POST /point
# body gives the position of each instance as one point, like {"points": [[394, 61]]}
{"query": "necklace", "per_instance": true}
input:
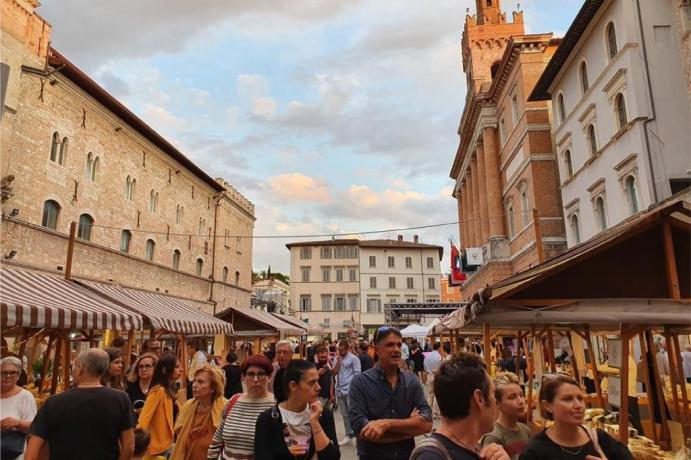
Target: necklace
{"points": [[458, 441], [563, 449]]}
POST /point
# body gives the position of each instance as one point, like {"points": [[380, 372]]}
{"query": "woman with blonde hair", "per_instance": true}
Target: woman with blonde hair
{"points": [[200, 416]]}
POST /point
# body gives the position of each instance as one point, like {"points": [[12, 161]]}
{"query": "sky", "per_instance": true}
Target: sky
{"points": [[329, 115]]}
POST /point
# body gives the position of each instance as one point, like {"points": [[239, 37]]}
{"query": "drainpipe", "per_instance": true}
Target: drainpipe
{"points": [[217, 200], [652, 101]]}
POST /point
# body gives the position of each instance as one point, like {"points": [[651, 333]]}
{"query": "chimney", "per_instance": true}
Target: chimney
{"points": [[416, 239], [400, 238]]}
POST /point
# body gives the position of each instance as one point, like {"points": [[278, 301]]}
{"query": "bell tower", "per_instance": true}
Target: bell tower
{"points": [[485, 37]]}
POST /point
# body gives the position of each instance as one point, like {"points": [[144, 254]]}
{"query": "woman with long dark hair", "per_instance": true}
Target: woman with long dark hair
{"points": [[299, 427], [114, 376], [160, 409]]}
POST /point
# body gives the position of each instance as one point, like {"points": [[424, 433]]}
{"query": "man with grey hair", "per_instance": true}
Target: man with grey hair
{"points": [[284, 351], [86, 422]]}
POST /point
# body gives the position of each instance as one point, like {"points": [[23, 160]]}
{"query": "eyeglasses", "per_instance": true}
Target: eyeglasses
{"points": [[145, 366], [255, 375], [9, 373]]}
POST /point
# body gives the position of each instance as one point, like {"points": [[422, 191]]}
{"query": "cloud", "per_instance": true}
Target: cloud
{"points": [[252, 85], [296, 187], [264, 107]]}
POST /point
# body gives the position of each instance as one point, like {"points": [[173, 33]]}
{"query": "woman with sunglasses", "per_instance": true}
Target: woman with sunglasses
{"points": [[234, 438], [140, 380]]}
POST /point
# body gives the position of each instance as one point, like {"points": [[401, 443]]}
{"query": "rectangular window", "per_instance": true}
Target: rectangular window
{"points": [[411, 300], [373, 305], [305, 303], [514, 109], [352, 274], [326, 274], [373, 282], [430, 262], [326, 252], [409, 283], [392, 282], [392, 300], [352, 302], [372, 261], [351, 252], [431, 283], [340, 304], [326, 302], [449, 289], [391, 262], [305, 274], [339, 275], [408, 262], [305, 253], [339, 252]]}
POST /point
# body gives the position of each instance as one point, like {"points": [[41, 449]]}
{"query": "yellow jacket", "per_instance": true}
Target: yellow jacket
{"points": [[183, 425], [157, 418]]}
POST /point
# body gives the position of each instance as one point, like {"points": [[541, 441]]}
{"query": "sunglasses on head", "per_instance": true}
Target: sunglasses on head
{"points": [[385, 330]]}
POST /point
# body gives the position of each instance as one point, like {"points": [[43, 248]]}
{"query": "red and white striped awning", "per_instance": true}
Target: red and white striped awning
{"points": [[164, 311], [35, 299]]}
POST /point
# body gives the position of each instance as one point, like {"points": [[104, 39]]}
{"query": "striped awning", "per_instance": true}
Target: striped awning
{"points": [[164, 311], [35, 299], [283, 328]]}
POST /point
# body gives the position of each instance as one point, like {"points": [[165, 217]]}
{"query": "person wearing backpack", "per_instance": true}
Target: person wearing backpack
{"points": [[465, 394], [234, 437]]}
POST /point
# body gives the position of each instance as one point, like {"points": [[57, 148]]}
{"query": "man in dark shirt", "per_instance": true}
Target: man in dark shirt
{"points": [[87, 422], [366, 363], [387, 406], [465, 394], [326, 393]]}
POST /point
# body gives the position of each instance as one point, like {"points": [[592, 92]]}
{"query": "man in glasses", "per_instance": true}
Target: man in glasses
{"points": [[388, 408], [284, 351]]}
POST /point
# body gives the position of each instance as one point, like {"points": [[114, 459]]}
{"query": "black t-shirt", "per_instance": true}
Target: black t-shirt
{"points": [[84, 423], [455, 451], [233, 380], [134, 391], [366, 363], [325, 381], [541, 447]]}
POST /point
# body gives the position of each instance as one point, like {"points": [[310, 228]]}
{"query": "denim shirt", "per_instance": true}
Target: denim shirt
{"points": [[371, 397], [350, 365]]}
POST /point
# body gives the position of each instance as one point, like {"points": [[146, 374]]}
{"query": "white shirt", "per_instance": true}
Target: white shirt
{"points": [[432, 362], [662, 362], [198, 361], [686, 362], [21, 406]]}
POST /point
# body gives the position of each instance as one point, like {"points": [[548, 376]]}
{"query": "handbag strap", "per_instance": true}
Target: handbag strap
{"points": [[593, 435], [231, 403], [433, 443]]}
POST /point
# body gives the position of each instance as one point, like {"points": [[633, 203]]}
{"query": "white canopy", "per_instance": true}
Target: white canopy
{"points": [[415, 330]]}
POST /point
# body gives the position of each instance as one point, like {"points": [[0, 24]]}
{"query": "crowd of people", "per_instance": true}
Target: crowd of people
{"points": [[278, 405]]}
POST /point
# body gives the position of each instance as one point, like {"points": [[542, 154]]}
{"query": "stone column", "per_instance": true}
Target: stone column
{"points": [[471, 210], [476, 202], [465, 237], [493, 183], [459, 204], [484, 222]]}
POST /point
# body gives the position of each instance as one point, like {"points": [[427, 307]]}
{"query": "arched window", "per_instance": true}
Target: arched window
{"points": [[202, 224], [153, 201], [611, 40], [51, 211], [494, 69], [225, 274], [568, 163], [89, 167], [561, 108], [85, 224], [592, 140], [620, 106], [237, 278], [630, 190], [176, 259], [54, 146], [584, 77], [200, 266], [575, 231], [600, 213], [129, 188], [179, 214], [150, 247], [63, 151], [125, 238], [511, 219]]}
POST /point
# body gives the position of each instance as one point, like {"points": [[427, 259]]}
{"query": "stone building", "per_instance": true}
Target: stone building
{"points": [[448, 292], [147, 217], [621, 123], [343, 284], [505, 167]]}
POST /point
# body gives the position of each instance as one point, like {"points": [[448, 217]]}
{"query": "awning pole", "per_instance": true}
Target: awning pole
{"points": [[593, 367], [648, 387], [656, 388]]}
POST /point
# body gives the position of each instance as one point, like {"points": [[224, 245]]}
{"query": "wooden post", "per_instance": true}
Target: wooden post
{"points": [[46, 359], [574, 363], [656, 387], [23, 339], [593, 367], [487, 342], [550, 351], [670, 261], [646, 381], [70, 250], [59, 345], [66, 363], [538, 236], [673, 377], [624, 386], [128, 349], [684, 394]]}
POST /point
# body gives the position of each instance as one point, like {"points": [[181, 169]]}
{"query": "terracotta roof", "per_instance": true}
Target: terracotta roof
{"points": [[93, 89], [339, 242], [369, 244], [569, 42]]}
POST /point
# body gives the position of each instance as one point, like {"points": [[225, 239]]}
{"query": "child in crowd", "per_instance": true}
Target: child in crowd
{"points": [[141, 443], [508, 431]]}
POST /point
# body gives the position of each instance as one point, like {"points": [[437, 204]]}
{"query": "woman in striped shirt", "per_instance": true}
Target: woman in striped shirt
{"points": [[234, 438]]}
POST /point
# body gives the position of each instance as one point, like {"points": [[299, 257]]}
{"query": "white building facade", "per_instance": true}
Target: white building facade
{"points": [[271, 295], [620, 113], [341, 286]]}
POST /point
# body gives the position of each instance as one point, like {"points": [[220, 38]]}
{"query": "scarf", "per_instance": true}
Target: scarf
{"points": [[185, 420]]}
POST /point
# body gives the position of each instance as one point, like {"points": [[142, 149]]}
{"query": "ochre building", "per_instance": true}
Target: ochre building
{"points": [[147, 217], [505, 171]]}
